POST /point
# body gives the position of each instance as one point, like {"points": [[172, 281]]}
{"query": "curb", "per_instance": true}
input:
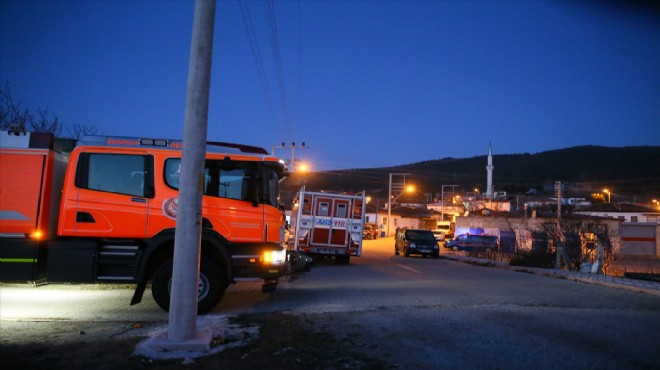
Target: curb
{"points": [[641, 286]]}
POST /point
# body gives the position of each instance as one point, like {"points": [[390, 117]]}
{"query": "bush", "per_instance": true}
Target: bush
{"points": [[543, 259]]}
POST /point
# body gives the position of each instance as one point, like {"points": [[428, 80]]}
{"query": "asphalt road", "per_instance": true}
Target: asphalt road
{"points": [[415, 312]]}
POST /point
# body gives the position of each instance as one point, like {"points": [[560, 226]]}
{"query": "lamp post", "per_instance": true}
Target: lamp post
{"points": [[398, 187], [442, 199], [655, 202], [609, 195]]}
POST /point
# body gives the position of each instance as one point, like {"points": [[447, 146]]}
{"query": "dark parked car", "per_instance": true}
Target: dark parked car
{"points": [[416, 241], [468, 242]]}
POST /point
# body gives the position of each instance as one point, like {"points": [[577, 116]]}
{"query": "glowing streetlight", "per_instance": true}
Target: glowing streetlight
{"points": [[303, 167], [655, 201], [609, 195]]}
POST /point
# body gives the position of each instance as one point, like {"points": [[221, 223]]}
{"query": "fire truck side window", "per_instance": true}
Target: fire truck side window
{"points": [[113, 173], [273, 188], [223, 179], [172, 172]]}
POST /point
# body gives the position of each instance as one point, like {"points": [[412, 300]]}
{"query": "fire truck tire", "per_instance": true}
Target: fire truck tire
{"points": [[210, 290]]}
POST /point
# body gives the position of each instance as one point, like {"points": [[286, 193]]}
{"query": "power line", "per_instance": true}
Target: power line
{"points": [[254, 46], [277, 57]]}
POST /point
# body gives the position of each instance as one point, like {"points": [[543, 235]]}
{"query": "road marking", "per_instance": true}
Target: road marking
{"points": [[410, 269]]}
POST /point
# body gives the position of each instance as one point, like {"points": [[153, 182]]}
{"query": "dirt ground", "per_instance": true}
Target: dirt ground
{"points": [[273, 341]]}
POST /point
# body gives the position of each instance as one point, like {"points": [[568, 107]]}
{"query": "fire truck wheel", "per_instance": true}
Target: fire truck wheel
{"points": [[210, 290]]}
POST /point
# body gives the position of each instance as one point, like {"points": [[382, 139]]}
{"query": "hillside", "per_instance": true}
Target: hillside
{"points": [[630, 173]]}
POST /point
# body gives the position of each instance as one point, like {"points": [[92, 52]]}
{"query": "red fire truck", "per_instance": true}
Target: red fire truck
{"points": [[104, 210], [328, 224]]}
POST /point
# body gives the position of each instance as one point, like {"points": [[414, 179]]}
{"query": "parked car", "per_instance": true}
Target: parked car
{"points": [[416, 241], [470, 242], [370, 231], [439, 235]]}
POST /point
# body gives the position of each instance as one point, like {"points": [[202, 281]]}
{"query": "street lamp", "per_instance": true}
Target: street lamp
{"points": [[293, 146], [398, 187], [609, 195], [655, 201]]}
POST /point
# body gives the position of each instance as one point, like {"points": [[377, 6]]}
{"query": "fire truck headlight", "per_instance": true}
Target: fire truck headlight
{"points": [[413, 246], [274, 257]]}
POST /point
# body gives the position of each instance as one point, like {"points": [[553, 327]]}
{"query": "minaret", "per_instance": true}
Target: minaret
{"points": [[489, 170]]}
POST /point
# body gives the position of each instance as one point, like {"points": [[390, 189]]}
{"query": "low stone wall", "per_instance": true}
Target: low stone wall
{"points": [[638, 264]]}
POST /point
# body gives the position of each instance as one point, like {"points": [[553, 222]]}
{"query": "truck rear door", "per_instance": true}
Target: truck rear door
{"points": [[330, 222]]}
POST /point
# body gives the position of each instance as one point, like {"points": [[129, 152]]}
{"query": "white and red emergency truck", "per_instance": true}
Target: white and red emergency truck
{"points": [[328, 224]]}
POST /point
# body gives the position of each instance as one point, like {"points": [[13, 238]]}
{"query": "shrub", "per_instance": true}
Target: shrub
{"points": [[533, 258]]}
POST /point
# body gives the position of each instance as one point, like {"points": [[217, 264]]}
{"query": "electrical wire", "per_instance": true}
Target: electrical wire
{"points": [[258, 60], [277, 57]]}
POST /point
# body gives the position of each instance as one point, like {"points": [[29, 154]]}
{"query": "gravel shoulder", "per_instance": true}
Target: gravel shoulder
{"points": [[273, 341]]}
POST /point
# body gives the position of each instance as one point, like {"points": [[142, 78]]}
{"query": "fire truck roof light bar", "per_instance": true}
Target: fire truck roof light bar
{"points": [[124, 141]]}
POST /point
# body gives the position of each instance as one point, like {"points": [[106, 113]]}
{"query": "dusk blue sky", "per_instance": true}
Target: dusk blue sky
{"points": [[367, 83]]}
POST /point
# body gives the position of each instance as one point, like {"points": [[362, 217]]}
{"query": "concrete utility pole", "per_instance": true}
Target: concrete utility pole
{"points": [[442, 199], [397, 188], [185, 275], [558, 194]]}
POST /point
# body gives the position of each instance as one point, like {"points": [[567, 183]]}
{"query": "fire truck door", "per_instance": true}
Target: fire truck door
{"points": [[110, 198]]}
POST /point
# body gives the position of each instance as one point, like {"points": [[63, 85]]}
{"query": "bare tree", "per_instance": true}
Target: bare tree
{"points": [[13, 116], [79, 131], [43, 121], [581, 238]]}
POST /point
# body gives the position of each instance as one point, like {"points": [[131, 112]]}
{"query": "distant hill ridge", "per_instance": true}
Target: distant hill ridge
{"points": [[630, 171]]}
